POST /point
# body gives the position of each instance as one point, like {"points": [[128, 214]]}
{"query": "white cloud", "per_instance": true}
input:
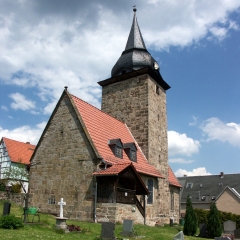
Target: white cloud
{"points": [[4, 108], [195, 172], [49, 45], [180, 160], [24, 133], [215, 129], [180, 144], [20, 102], [194, 122]]}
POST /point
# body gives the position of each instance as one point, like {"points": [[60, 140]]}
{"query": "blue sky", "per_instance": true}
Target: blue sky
{"points": [[46, 45]]}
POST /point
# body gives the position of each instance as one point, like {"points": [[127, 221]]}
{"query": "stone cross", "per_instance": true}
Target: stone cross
{"points": [[61, 203]]}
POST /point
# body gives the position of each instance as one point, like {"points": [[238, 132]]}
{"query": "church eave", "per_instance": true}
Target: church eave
{"points": [[157, 77]]}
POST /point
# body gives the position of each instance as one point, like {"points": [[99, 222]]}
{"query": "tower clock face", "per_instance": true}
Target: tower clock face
{"points": [[156, 66]]}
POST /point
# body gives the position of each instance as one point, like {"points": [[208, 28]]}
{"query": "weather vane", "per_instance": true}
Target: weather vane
{"points": [[134, 8]]}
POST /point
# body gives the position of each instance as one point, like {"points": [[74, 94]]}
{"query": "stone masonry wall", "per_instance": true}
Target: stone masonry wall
{"points": [[136, 102], [117, 212], [66, 163]]}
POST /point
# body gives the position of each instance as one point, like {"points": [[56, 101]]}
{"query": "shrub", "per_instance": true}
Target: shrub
{"points": [[214, 226], [10, 222], [16, 188], [190, 225]]}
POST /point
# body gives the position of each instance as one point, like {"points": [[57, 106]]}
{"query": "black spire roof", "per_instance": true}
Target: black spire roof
{"points": [[135, 55]]}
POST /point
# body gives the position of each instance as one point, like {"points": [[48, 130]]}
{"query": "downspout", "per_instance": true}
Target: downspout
{"points": [[95, 202]]}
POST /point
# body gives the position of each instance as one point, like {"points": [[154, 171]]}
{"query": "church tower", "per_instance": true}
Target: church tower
{"points": [[136, 95]]}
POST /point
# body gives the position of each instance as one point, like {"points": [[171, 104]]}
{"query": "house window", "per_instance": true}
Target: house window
{"points": [[189, 185], [131, 151], [51, 201], [150, 189], [116, 147]]}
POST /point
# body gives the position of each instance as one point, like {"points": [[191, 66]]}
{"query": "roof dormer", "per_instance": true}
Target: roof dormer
{"points": [[116, 147], [131, 151]]}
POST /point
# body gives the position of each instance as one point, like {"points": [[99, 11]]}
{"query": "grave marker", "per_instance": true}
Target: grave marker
{"points": [[229, 227], [127, 228], [107, 232], [61, 203], [179, 236]]}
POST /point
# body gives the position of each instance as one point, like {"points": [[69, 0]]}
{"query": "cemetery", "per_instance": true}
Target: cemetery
{"points": [[59, 227]]}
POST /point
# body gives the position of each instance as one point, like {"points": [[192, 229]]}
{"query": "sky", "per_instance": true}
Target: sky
{"points": [[48, 44]]}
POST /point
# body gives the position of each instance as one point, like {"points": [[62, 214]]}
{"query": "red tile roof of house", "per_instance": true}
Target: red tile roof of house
{"points": [[102, 127], [172, 178], [19, 151]]}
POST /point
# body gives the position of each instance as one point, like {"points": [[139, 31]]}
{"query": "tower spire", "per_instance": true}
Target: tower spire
{"points": [[135, 39], [135, 56]]}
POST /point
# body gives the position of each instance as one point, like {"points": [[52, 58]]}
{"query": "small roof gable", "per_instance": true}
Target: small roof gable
{"points": [[19, 151], [117, 169], [172, 178], [101, 127], [233, 190]]}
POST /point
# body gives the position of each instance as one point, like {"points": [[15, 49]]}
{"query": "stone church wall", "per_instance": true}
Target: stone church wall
{"points": [[65, 167]]}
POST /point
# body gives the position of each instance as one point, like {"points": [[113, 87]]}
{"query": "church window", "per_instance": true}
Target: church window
{"points": [[157, 89], [150, 189], [51, 201], [131, 151], [116, 147], [172, 200]]}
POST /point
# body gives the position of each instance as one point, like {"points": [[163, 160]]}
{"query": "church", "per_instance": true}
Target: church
{"points": [[110, 164]]}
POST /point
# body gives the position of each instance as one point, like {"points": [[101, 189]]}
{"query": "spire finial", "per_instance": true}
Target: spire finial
{"points": [[134, 8]]}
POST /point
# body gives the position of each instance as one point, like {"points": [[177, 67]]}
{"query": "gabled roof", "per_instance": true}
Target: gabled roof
{"points": [[101, 127], [233, 190], [210, 186], [19, 151], [172, 178]]}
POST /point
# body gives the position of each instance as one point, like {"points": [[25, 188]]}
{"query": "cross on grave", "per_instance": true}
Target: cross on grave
{"points": [[61, 203]]}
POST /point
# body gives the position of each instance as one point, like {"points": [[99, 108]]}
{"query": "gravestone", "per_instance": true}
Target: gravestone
{"points": [[107, 232], [237, 233], [229, 227], [179, 236], [203, 231], [127, 228]]}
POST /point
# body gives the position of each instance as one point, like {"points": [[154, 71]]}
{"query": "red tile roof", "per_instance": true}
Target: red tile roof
{"points": [[113, 170], [172, 178], [19, 151], [102, 127]]}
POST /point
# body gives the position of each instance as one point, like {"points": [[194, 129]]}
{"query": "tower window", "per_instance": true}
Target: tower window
{"points": [[131, 151], [157, 89], [116, 147], [150, 189]]}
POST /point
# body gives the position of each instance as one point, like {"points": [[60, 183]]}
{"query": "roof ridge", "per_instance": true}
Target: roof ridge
{"points": [[96, 108]]}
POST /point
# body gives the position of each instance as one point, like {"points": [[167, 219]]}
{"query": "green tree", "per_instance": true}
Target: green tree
{"points": [[190, 225], [214, 226]]}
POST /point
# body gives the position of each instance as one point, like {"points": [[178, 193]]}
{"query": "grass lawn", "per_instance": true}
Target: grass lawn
{"points": [[45, 230]]}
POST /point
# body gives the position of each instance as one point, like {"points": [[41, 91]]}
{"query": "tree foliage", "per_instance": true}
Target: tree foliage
{"points": [[214, 226], [191, 224]]}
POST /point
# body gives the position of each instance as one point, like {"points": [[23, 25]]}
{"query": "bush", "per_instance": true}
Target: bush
{"points": [[10, 222], [191, 224], [214, 226], [16, 188]]}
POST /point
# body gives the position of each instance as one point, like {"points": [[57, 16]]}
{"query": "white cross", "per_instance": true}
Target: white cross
{"points": [[61, 203]]}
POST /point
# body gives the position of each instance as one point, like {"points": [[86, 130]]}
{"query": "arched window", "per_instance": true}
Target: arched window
{"points": [[150, 189]]}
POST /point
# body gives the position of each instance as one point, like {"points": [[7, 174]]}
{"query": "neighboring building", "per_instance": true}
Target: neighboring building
{"points": [[223, 189], [14, 154], [110, 164]]}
